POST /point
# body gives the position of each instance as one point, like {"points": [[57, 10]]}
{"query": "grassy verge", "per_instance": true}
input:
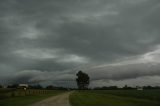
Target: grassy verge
{"points": [[27, 100], [94, 98], [145, 94]]}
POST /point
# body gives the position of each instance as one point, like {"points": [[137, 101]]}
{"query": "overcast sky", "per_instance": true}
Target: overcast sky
{"points": [[116, 42]]}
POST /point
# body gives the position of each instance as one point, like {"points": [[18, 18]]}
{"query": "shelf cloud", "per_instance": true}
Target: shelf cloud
{"points": [[114, 41]]}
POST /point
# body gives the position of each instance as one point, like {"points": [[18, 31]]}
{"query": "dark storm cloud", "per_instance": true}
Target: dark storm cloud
{"points": [[122, 72], [61, 35], [36, 76]]}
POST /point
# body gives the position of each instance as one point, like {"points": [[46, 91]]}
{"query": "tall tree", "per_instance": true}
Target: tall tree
{"points": [[82, 80]]}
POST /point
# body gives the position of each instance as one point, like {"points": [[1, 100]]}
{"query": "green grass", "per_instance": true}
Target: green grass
{"points": [[26, 100], [107, 98], [145, 94]]}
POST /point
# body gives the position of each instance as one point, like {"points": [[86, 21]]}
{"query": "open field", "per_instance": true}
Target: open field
{"points": [[145, 94], [116, 98], [21, 100]]}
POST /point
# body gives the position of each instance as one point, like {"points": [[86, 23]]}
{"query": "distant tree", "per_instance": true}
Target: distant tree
{"points": [[0, 86], [12, 86], [106, 88], [82, 80], [151, 87], [38, 86], [49, 87], [126, 87]]}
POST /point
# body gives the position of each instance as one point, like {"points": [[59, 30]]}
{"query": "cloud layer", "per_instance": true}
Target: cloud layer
{"points": [[111, 40]]}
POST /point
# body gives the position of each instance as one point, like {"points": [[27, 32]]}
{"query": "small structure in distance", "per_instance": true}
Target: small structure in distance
{"points": [[23, 86]]}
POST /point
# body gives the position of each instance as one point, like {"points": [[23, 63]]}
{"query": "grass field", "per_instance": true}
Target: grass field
{"points": [[26, 100], [116, 98], [145, 94]]}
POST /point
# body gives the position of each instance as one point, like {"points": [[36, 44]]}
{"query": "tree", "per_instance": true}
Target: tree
{"points": [[0, 86], [50, 87], [126, 87], [13, 86], [38, 86], [82, 80]]}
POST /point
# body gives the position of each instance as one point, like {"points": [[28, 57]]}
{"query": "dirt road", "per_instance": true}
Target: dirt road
{"points": [[59, 100]]}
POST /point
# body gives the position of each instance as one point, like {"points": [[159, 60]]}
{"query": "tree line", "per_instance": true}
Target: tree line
{"points": [[83, 81], [38, 86]]}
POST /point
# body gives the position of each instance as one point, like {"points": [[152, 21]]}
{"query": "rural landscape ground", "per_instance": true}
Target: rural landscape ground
{"points": [[115, 98], [86, 98]]}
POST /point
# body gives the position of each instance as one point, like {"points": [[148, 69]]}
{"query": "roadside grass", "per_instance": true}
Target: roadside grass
{"points": [[27, 100], [145, 94], [94, 98]]}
